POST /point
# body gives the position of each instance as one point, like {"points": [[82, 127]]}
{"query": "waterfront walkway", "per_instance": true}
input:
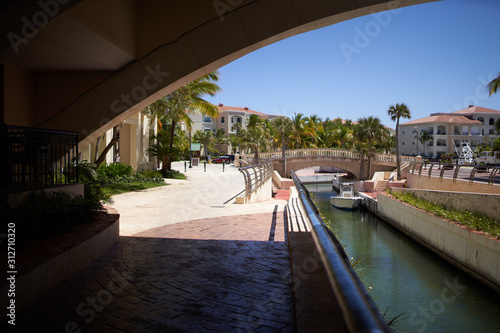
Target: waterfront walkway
{"points": [[191, 262]]}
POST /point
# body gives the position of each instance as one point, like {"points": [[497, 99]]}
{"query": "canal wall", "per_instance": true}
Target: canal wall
{"points": [[474, 252], [483, 203]]}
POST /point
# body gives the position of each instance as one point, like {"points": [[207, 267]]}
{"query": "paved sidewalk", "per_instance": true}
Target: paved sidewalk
{"points": [[195, 272], [218, 274]]}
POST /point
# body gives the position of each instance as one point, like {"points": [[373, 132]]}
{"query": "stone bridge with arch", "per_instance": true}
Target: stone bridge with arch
{"points": [[347, 160]]}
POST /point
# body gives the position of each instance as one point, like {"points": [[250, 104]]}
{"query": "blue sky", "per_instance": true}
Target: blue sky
{"points": [[435, 57]]}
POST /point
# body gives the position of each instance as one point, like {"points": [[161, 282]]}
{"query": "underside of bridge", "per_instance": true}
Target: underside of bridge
{"points": [[86, 65]]}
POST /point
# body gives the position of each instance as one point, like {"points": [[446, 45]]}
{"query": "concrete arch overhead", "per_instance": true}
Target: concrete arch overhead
{"points": [[86, 65]]}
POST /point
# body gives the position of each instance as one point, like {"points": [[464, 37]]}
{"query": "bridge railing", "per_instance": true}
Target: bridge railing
{"points": [[255, 177], [328, 152], [359, 312]]}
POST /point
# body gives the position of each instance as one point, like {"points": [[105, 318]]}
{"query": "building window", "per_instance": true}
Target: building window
{"points": [[465, 130], [491, 132], [222, 120], [441, 130], [456, 130], [481, 119], [441, 143], [474, 131], [492, 121], [207, 119]]}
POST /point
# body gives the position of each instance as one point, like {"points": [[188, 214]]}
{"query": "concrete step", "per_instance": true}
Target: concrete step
{"points": [[381, 185]]}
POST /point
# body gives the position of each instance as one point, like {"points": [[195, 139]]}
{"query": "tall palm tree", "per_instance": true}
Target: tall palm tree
{"points": [[494, 85], [174, 107], [369, 130], [220, 138], [283, 128], [256, 136], [342, 136], [424, 137], [395, 112], [302, 130]]}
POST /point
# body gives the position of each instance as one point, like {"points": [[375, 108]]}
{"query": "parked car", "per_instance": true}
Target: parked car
{"points": [[222, 159]]}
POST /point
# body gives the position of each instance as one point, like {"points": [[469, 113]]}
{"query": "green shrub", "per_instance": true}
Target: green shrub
{"points": [[174, 174], [473, 220], [115, 172], [43, 214]]}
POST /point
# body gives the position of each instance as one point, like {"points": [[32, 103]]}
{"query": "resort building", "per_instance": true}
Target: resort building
{"points": [[229, 117], [474, 125]]}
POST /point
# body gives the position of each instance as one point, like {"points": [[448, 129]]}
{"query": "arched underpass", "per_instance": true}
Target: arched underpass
{"points": [[87, 65]]}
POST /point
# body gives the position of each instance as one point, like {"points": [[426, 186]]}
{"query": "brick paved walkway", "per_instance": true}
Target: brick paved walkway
{"points": [[218, 274]]}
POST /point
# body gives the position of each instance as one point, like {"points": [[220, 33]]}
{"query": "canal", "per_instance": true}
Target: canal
{"points": [[431, 295]]}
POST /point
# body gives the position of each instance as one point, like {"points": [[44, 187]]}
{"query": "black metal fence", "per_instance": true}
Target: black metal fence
{"points": [[36, 159]]}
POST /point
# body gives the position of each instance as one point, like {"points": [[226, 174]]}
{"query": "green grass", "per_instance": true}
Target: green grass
{"points": [[118, 188], [473, 220]]}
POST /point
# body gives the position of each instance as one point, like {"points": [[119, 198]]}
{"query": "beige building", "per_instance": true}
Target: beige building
{"points": [[473, 125], [133, 142], [229, 117]]}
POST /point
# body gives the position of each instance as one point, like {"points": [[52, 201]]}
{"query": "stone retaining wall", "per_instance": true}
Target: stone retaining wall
{"points": [[474, 252], [483, 203]]}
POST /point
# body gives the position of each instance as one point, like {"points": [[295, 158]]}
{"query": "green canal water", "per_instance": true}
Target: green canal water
{"points": [[405, 278]]}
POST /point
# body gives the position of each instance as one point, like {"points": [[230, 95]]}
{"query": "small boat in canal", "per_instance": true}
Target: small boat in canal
{"points": [[346, 199]]}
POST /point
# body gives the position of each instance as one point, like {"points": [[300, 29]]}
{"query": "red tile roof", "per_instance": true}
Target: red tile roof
{"points": [[237, 108], [474, 110], [443, 118]]}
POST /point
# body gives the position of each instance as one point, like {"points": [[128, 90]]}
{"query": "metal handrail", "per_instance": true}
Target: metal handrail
{"points": [[456, 169], [255, 176], [359, 312]]}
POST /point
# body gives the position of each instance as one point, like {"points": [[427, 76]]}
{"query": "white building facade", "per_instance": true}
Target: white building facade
{"points": [[474, 125]]}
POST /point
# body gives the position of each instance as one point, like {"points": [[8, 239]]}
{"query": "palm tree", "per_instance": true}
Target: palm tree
{"points": [[174, 107], [302, 130], [256, 135], [220, 138], [369, 130], [163, 150], [424, 137], [395, 112], [494, 85], [206, 138], [283, 128], [342, 136]]}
